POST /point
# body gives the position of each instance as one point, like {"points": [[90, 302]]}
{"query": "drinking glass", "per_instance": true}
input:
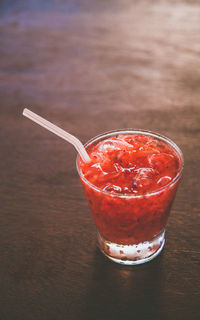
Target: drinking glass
{"points": [[131, 227]]}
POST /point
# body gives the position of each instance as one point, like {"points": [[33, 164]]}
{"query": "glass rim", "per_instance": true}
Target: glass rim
{"points": [[135, 131]]}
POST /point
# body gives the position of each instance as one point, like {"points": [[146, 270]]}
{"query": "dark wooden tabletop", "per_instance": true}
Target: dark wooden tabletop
{"points": [[92, 66]]}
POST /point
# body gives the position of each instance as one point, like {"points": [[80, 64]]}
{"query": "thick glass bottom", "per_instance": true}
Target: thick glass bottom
{"points": [[132, 254]]}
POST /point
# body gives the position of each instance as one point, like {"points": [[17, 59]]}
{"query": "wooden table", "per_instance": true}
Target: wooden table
{"points": [[91, 66]]}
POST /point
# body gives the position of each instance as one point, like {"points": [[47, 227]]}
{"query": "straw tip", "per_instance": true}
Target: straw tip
{"points": [[24, 111]]}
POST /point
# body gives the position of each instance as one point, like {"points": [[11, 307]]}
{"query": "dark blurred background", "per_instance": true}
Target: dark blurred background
{"points": [[136, 61], [89, 67]]}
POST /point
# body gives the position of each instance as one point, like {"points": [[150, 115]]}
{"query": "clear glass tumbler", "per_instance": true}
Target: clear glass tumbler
{"points": [[131, 227]]}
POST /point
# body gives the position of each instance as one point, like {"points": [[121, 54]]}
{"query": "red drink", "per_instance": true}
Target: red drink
{"points": [[130, 184]]}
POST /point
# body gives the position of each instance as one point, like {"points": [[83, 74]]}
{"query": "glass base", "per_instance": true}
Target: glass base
{"points": [[132, 254]]}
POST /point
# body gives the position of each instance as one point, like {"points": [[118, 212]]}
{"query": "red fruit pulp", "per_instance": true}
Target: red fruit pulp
{"points": [[129, 189]]}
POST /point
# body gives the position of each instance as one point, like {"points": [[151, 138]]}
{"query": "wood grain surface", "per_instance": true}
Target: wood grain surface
{"points": [[91, 66]]}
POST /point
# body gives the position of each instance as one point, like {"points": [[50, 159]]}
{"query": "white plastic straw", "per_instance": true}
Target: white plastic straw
{"points": [[59, 132]]}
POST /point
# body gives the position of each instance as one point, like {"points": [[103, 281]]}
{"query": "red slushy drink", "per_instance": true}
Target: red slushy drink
{"points": [[130, 184]]}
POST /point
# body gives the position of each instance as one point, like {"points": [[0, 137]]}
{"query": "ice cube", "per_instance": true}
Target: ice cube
{"points": [[144, 178], [112, 188], [163, 181], [111, 144], [165, 163]]}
